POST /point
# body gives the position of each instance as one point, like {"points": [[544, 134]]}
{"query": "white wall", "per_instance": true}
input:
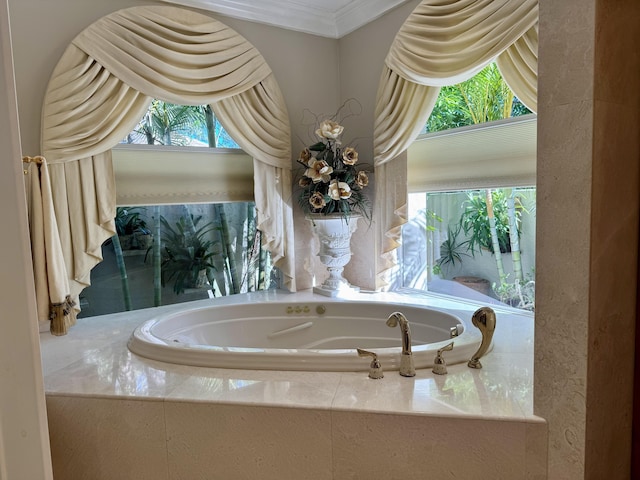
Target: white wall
{"points": [[362, 55], [24, 437]]}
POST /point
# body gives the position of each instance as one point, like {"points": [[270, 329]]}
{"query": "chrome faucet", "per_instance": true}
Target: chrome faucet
{"points": [[406, 358]]}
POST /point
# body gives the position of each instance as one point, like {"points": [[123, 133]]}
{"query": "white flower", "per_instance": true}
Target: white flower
{"points": [[349, 156], [319, 171], [317, 200], [329, 129], [339, 190], [362, 180]]}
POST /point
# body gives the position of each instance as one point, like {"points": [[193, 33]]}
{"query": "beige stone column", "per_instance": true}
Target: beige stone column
{"points": [[587, 242]]}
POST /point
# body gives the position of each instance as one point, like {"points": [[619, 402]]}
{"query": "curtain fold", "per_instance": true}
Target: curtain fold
{"points": [[442, 42], [84, 195], [518, 65], [53, 302], [180, 55], [103, 85], [275, 219], [390, 208], [249, 119]]}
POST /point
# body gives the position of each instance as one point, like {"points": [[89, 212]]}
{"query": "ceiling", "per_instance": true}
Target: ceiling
{"points": [[327, 18]]}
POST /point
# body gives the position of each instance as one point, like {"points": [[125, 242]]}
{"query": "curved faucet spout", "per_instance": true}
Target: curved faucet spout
{"points": [[406, 359], [398, 318], [485, 319]]}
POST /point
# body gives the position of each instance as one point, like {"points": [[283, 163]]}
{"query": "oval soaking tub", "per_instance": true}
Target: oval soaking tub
{"points": [[312, 336]]}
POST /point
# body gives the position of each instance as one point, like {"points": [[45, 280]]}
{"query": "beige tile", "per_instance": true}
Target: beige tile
{"points": [[565, 71], [419, 447], [267, 388], [612, 304], [114, 370], [463, 392], [536, 450], [211, 442], [93, 438]]}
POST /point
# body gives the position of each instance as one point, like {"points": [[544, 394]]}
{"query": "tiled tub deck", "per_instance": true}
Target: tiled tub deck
{"points": [[113, 414]]}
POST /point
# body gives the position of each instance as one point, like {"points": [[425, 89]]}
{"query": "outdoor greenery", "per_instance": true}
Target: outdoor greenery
{"points": [[475, 221], [483, 98], [491, 219], [181, 125], [188, 253], [128, 221], [451, 250], [169, 124], [519, 294], [178, 249]]}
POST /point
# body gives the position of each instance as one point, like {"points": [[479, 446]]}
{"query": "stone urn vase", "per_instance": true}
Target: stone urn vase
{"points": [[334, 236]]}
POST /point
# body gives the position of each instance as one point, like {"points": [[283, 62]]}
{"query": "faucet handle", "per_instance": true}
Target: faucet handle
{"points": [[439, 365], [375, 369]]}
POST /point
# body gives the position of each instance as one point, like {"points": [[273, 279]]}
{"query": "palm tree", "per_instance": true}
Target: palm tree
{"points": [[169, 124], [210, 121]]}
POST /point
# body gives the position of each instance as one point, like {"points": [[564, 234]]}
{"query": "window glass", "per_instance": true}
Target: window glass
{"points": [[449, 245], [165, 254], [473, 241], [483, 98], [180, 125], [203, 251]]}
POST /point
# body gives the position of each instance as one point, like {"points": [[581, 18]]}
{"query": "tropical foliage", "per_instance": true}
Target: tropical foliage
{"points": [[188, 253], [519, 293], [491, 220], [475, 221], [181, 125], [483, 98], [451, 250]]}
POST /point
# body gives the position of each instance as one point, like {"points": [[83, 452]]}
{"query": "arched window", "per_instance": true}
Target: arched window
{"points": [[471, 204], [100, 89], [440, 45]]}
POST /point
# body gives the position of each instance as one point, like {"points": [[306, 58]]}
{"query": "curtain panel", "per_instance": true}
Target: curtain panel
{"points": [[104, 83], [442, 42], [54, 306]]}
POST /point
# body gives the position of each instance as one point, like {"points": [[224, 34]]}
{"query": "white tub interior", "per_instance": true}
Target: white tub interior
{"points": [[314, 336]]}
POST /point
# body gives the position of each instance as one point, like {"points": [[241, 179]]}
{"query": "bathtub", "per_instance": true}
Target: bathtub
{"points": [[316, 335]]}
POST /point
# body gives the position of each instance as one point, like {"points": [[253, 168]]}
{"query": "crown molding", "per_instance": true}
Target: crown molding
{"points": [[358, 13], [296, 16]]}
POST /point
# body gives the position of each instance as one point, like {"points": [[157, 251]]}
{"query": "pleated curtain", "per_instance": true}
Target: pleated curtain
{"points": [[442, 42], [103, 85]]}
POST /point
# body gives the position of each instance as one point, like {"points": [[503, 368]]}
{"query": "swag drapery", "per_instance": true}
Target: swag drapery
{"points": [[102, 86], [442, 42]]}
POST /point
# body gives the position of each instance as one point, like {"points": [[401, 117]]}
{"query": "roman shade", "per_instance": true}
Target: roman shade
{"points": [[442, 42], [152, 175], [486, 155], [102, 86]]}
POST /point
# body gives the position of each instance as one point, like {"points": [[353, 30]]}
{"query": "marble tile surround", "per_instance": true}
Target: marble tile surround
{"points": [[111, 411], [588, 150]]}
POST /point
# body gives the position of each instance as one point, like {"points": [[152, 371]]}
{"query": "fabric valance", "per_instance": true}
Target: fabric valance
{"points": [[102, 87], [443, 42]]}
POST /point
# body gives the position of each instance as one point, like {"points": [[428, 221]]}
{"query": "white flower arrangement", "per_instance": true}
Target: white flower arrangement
{"points": [[331, 182]]}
